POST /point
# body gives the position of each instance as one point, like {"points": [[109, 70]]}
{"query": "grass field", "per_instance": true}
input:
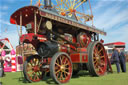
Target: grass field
{"points": [[83, 78]]}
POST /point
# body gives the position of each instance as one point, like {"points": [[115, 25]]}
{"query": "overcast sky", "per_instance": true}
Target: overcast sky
{"points": [[109, 15]]}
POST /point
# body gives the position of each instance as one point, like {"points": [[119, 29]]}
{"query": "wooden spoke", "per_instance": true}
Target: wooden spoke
{"points": [[57, 61], [94, 57], [31, 62], [57, 64], [66, 60], [100, 50], [61, 76], [31, 73], [36, 76], [62, 58], [66, 72], [57, 71], [102, 57], [29, 68]]}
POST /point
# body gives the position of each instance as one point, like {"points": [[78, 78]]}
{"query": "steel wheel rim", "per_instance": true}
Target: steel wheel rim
{"points": [[33, 70], [99, 59], [63, 69]]}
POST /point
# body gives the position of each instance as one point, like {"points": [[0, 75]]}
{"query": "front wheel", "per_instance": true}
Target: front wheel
{"points": [[32, 68], [61, 68]]}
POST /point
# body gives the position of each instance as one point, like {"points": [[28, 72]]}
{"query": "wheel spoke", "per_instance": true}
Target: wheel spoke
{"points": [[102, 64], [61, 76], [29, 69], [36, 77], [57, 64], [95, 58], [39, 73], [57, 71], [57, 61], [62, 59], [66, 68], [31, 62], [34, 61], [65, 61], [96, 52], [100, 50], [66, 64], [95, 61], [101, 56], [100, 69], [66, 72], [31, 73]]}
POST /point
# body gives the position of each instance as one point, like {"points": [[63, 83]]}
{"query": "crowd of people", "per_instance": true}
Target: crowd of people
{"points": [[119, 58]]}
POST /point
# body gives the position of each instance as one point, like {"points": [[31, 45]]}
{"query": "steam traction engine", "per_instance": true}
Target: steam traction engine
{"points": [[63, 42]]}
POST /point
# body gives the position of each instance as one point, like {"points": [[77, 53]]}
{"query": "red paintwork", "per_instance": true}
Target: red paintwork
{"points": [[63, 49], [85, 40], [79, 57], [29, 37], [75, 58], [81, 50], [115, 43], [84, 58]]}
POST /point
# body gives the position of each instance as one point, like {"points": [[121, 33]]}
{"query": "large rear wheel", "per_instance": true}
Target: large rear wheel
{"points": [[32, 68], [61, 68], [97, 61]]}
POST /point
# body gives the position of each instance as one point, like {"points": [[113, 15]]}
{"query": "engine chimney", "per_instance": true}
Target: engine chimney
{"points": [[47, 4]]}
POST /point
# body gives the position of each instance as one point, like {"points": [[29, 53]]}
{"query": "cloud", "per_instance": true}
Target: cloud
{"points": [[110, 18], [117, 35], [4, 22], [12, 36], [11, 1], [4, 7], [113, 18], [111, 0], [2, 14]]}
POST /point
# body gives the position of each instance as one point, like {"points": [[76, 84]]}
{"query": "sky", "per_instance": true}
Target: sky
{"points": [[109, 15]]}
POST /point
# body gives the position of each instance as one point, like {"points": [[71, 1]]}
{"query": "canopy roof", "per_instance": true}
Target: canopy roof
{"points": [[27, 15], [115, 43]]}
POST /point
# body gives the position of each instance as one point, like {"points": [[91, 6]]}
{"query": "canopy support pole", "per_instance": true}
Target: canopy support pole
{"points": [[20, 24], [35, 20]]}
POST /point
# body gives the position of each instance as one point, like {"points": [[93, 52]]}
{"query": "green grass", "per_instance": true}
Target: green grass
{"points": [[83, 78]]}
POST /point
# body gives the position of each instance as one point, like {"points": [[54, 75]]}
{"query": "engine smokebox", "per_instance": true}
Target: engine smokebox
{"points": [[47, 49]]}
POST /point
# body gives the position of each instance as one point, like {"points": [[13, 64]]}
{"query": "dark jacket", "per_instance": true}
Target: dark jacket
{"points": [[122, 56], [1, 64], [115, 56]]}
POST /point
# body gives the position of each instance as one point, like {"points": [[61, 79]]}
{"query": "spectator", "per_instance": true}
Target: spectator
{"points": [[1, 66], [115, 59], [122, 59]]}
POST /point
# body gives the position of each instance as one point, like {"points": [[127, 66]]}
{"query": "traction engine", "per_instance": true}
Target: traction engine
{"points": [[64, 44]]}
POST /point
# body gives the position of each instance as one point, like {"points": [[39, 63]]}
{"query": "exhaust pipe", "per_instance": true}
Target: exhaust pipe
{"points": [[47, 4]]}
